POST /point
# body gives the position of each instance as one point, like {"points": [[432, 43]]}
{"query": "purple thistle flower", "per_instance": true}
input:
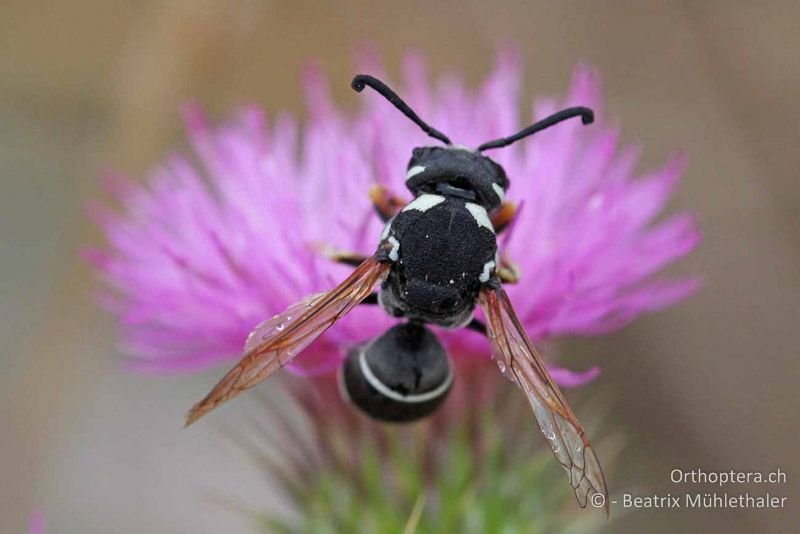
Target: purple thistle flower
{"points": [[218, 242]]}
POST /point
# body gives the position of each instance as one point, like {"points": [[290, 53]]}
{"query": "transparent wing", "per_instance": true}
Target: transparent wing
{"points": [[277, 324], [276, 341], [519, 360]]}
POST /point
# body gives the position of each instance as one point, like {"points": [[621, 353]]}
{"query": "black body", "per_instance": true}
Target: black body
{"points": [[442, 250], [401, 376], [442, 245]]}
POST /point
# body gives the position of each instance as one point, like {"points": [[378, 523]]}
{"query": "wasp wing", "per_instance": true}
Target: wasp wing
{"points": [[519, 360], [276, 341], [277, 324]]}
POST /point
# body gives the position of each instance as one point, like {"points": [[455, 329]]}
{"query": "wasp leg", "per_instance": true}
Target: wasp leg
{"points": [[503, 216], [348, 258], [507, 271], [372, 298], [340, 256], [386, 203]]}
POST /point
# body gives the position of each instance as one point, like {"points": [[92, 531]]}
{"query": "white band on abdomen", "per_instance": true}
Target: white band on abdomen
{"points": [[381, 388]]}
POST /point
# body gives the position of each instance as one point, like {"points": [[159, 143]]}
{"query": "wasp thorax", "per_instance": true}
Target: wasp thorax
{"points": [[401, 376]]}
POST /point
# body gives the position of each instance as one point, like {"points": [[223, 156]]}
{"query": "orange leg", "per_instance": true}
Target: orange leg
{"points": [[386, 203], [503, 216], [507, 271], [348, 258]]}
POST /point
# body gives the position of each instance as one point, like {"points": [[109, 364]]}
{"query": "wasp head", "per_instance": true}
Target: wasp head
{"points": [[457, 171]]}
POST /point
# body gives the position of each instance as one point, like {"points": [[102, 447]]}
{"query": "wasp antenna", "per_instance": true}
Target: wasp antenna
{"points": [[586, 115], [363, 80]]}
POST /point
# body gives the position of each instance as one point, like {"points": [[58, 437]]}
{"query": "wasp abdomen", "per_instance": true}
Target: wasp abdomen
{"points": [[401, 376]]}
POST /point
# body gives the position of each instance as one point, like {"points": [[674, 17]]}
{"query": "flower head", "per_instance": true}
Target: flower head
{"points": [[470, 467], [220, 240]]}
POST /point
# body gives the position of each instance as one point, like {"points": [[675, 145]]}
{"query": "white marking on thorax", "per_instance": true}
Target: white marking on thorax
{"points": [[413, 171], [488, 267], [480, 215], [499, 192], [386, 229], [373, 381], [394, 254], [424, 202]]}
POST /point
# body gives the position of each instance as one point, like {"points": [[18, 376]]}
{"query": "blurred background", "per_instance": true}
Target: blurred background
{"points": [[89, 84]]}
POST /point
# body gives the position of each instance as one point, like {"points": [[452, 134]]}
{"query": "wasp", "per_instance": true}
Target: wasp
{"points": [[436, 260]]}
